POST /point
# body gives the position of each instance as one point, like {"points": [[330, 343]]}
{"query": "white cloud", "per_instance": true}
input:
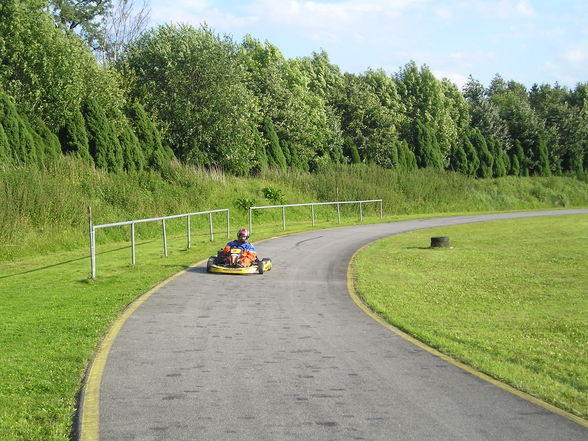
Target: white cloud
{"points": [[196, 12], [444, 13], [574, 55], [338, 21], [458, 79], [505, 9]]}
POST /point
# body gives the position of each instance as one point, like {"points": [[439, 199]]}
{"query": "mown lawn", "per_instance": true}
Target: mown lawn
{"points": [[509, 298]]}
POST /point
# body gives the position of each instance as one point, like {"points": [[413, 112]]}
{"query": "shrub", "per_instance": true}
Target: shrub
{"points": [[275, 195]]}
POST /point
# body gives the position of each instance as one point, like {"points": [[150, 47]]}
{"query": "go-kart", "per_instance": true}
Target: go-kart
{"points": [[230, 264]]}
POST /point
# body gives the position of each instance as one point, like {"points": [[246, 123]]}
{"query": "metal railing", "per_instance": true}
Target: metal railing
{"points": [[132, 223], [312, 205]]}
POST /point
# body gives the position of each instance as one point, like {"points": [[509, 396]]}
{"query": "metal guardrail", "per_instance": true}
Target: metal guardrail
{"points": [[312, 205], [132, 223]]}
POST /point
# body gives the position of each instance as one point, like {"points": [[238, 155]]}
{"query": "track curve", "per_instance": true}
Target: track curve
{"points": [[289, 356]]}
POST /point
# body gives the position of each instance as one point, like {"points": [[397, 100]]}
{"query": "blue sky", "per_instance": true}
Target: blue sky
{"points": [[529, 41]]}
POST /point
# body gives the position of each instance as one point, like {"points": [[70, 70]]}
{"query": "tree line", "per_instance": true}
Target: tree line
{"points": [[180, 92]]}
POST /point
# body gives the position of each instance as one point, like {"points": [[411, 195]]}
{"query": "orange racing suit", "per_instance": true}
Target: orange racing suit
{"points": [[249, 252]]}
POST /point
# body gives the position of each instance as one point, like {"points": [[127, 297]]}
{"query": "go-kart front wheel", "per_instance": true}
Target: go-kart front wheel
{"points": [[211, 261]]}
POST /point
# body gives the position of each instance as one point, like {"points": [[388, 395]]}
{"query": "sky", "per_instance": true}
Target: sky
{"points": [[528, 41]]}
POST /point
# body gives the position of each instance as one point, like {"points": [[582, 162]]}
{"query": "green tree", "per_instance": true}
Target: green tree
{"points": [[484, 155], [83, 16], [154, 153], [261, 160], [23, 146], [133, 157], [276, 156], [193, 82], [565, 114], [499, 166], [524, 123], [459, 161], [286, 89], [473, 160], [4, 147], [370, 124], [519, 164], [350, 150], [74, 137], [426, 149], [47, 71], [103, 143], [324, 78], [485, 114], [438, 105], [538, 156], [49, 146], [406, 158]]}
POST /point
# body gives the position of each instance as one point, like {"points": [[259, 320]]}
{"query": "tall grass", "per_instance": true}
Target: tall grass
{"points": [[43, 210]]}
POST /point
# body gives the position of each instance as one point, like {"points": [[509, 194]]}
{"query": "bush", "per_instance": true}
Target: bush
{"points": [[275, 195]]}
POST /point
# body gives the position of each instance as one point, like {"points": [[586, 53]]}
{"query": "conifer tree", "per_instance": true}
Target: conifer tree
{"points": [[473, 160], [519, 159], [499, 167], [539, 157], [50, 147], [484, 155], [21, 145], [276, 155], [155, 154], [459, 161], [392, 161], [260, 159], [31, 144], [350, 150], [288, 152], [515, 166], [4, 147], [134, 160], [104, 145], [74, 137], [406, 158], [427, 150]]}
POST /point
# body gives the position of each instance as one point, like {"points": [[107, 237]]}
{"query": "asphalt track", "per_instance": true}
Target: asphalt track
{"points": [[290, 356]]}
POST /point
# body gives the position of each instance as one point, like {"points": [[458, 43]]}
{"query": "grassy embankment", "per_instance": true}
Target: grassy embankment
{"points": [[508, 299], [53, 317]]}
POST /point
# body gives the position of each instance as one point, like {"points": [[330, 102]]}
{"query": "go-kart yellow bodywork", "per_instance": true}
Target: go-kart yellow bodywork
{"points": [[257, 267]]}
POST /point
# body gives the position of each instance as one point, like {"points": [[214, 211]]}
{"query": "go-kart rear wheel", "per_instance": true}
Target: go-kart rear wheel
{"points": [[260, 267]]}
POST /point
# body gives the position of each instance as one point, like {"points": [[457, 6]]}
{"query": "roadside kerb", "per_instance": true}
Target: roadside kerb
{"points": [[93, 228]]}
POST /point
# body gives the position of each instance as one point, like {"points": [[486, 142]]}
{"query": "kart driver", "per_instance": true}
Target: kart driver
{"points": [[249, 253]]}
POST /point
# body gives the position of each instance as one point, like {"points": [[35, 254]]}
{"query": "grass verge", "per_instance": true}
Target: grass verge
{"points": [[508, 299]]}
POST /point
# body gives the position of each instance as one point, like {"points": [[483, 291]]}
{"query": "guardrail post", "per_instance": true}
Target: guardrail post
{"points": [[250, 222], [93, 252], [164, 237], [228, 222], [339, 213], [360, 213], [284, 218], [381, 210], [312, 210], [133, 243], [189, 241], [92, 245], [210, 226]]}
